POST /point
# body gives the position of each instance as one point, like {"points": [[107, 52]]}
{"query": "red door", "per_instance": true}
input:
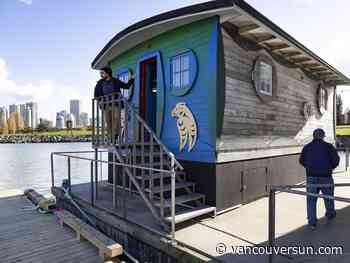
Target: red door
{"points": [[147, 101]]}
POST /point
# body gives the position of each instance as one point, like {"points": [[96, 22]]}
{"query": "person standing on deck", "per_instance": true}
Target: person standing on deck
{"points": [[109, 85], [319, 159]]}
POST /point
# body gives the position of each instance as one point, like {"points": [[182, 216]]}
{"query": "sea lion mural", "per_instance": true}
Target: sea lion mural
{"points": [[186, 125]]}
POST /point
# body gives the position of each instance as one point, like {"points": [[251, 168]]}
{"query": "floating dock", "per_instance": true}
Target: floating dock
{"points": [[28, 236]]}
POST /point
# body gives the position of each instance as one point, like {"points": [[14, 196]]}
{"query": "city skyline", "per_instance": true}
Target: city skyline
{"points": [[29, 113], [61, 70]]}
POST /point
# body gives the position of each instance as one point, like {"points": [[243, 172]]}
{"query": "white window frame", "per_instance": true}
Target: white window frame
{"points": [[182, 69]]}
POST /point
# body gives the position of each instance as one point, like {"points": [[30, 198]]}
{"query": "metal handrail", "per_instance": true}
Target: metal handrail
{"points": [[288, 189], [108, 162], [117, 98], [128, 173]]}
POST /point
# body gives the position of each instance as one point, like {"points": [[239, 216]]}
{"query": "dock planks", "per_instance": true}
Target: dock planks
{"points": [[27, 236]]}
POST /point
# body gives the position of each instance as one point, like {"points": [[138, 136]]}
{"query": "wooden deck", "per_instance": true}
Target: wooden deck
{"points": [[137, 210], [27, 236]]}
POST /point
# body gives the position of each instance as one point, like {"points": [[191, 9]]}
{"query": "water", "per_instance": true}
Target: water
{"points": [[24, 166]]}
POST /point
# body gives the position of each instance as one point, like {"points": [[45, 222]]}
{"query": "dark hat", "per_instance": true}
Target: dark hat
{"points": [[319, 134], [108, 70]]}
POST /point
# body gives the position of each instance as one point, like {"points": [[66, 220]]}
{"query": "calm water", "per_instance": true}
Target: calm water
{"points": [[25, 166]]}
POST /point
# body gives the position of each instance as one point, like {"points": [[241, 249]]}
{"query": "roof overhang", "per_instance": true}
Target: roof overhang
{"points": [[250, 24]]}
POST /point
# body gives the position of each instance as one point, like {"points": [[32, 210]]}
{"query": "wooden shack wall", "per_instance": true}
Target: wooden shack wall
{"points": [[251, 124]]}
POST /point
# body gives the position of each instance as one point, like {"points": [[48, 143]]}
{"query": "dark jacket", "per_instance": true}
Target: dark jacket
{"points": [[319, 158], [117, 86]]}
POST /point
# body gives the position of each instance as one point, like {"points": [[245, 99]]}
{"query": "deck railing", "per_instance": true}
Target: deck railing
{"points": [[292, 190], [134, 132], [129, 183], [132, 141]]}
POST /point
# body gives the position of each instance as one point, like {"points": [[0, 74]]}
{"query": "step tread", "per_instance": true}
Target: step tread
{"points": [[155, 176], [192, 213], [181, 199], [167, 187]]}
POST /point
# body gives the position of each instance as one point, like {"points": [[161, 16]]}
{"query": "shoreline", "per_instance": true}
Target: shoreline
{"points": [[26, 139]]}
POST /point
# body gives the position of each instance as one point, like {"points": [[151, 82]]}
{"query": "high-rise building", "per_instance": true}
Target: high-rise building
{"points": [[75, 111], [71, 118], [64, 113], [33, 107], [3, 113], [6, 112], [14, 108], [84, 119], [28, 122], [60, 121], [23, 110]]}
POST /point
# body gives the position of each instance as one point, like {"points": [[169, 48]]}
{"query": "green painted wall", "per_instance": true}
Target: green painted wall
{"points": [[202, 38]]}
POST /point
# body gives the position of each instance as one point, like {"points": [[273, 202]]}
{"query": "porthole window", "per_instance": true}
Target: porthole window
{"points": [[322, 98], [264, 77], [124, 75], [183, 72]]}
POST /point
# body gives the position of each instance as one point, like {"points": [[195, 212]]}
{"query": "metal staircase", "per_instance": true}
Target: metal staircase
{"points": [[152, 169]]}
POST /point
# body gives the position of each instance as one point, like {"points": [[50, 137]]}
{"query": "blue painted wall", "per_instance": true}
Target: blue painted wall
{"points": [[202, 38]]}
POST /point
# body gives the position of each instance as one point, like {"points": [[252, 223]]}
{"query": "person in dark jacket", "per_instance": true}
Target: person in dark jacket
{"points": [[319, 159], [109, 85]]}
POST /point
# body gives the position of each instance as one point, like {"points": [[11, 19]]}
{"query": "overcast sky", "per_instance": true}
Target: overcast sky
{"points": [[46, 46]]}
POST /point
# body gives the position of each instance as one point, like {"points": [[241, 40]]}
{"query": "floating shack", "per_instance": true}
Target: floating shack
{"points": [[223, 98]]}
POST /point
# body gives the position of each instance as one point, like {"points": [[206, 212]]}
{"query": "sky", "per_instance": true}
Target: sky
{"points": [[46, 46]]}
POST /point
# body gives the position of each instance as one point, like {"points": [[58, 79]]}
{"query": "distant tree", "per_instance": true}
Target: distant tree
{"points": [[19, 122], [339, 110], [11, 122], [3, 126]]}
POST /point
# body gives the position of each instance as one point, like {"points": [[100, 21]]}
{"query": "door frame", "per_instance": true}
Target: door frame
{"points": [[160, 87], [144, 99]]}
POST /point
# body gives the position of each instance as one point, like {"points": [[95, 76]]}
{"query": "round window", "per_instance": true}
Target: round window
{"points": [[183, 72], [322, 99], [264, 77], [124, 75]]}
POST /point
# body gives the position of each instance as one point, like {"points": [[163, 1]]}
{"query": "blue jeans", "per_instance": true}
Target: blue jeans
{"points": [[311, 200]]}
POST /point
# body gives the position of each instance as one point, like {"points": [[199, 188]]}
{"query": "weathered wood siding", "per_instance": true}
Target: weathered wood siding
{"points": [[249, 123]]}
